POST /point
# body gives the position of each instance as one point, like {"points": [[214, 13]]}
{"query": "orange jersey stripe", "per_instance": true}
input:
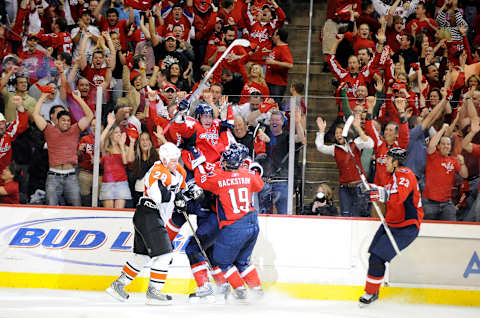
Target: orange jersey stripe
{"points": [[158, 276]]}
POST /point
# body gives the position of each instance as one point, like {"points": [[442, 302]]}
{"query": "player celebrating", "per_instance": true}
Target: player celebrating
{"points": [[162, 188], [234, 186], [404, 215]]}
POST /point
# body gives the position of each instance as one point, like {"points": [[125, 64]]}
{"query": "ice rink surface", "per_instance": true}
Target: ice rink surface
{"points": [[82, 304]]}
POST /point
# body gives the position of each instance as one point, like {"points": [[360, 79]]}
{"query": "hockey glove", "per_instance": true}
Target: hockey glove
{"points": [[256, 167], [193, 192], [180, 203], [198, 158], [379, 194], [184, 105]]}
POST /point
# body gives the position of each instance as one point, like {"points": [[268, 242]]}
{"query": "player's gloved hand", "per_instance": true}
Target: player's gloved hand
{"points": [[179, 202], [193, 192], [183, 105], [225, 125], [198, 158], [255, 166], [377, 193]]}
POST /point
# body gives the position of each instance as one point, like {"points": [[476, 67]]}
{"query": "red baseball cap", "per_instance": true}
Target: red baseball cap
{"points": [[170, 86], [398, 86], [170, 35]]}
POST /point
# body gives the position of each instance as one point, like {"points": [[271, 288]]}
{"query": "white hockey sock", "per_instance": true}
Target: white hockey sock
{"points": [[159, 270]]}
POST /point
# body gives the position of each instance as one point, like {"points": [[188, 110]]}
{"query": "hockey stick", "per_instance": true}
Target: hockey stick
{"points": [[204, 254], [345, 130], [203, 83]]}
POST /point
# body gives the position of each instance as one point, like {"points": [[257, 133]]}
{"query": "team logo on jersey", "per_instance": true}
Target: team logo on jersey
{"points": [[212, 137], [448, 166], [98, 79]]}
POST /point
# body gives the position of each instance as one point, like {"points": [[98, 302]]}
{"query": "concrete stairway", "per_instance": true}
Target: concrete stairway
{"points": [[320, 102]]}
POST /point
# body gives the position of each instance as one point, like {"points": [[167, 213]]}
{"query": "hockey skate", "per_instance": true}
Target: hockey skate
{"points": [[117, 289], [204, 294], [367, 299], [156, 297], [241, 295], [257, 293]]}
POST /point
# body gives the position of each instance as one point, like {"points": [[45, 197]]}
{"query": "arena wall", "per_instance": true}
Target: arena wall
{"points": [[305, 257]]}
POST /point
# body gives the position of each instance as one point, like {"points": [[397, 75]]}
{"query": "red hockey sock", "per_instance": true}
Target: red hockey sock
{"points": [[218, 276], [373, 284], [199, 271], [172, 230], [250, 275], [234, 278]]}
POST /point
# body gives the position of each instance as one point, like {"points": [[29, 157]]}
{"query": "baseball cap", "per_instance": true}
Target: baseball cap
{"points": [[398, 86], [134, 74], [170, 35], [170, 86]]}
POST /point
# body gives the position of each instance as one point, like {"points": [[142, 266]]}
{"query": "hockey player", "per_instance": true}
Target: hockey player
{"points": [[404, 215], [207, 232], [163, 183], [234, 186]]}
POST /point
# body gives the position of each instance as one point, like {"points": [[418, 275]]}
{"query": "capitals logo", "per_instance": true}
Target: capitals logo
{"points": [[212, 137], [449, 167]]}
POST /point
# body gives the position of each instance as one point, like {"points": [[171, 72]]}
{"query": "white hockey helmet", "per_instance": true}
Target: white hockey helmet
{"points": [[168, 151]]}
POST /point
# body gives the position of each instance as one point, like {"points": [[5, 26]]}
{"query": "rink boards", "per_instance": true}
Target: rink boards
{"points": [[305, 257]]}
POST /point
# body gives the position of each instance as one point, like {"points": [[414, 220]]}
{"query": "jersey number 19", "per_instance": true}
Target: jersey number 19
{"points": [[243, 201]]}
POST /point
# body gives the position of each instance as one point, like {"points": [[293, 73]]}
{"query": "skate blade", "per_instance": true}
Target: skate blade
{"points": [[202, 300], [114, 294], [154, 302]]}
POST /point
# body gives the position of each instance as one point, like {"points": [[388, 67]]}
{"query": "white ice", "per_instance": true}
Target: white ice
{"points": [[36, 303]]}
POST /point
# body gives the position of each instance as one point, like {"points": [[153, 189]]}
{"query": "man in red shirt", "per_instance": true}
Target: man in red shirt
{"points": [[60, 40], [394, 136], [62, 142], [177, 15], [113, 24], [422, 23], [403, 217], [440, 177], [279, 62]]}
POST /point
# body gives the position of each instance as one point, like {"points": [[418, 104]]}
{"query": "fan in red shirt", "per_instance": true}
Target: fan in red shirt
{"points": [[235, 60], [204, 19], [9, 190], [361, 38], [60, 39], [9, 132], [260, 31], [422, 23], [178, 15], [395, 135], [113, 24], [255, 83], [279, 62], [440, 173]]}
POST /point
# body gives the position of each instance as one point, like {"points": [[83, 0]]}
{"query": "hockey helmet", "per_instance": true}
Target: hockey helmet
{"points": [[397, 153], [241, 148], [168, 151], [203, 108], [232, 158]]}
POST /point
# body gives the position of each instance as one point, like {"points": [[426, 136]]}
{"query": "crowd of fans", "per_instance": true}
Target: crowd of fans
{"points": [[147, 56], [408, 71]]}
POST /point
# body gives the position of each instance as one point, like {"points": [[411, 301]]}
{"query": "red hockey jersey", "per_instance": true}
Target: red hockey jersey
{"points": [[234, 190], [404, 206]]}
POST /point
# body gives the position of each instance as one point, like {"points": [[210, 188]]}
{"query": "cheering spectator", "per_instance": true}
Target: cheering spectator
{"points": [[439, 178], [86, 149], [254, 83], [9, 193], [279, 62], [62, 142], [115, 190]]}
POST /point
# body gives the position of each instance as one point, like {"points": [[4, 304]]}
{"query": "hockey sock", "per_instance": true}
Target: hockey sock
{"points": [[233, 277], [199, 271], [218, 276], [132, 267], [172, 230], [250, 275], [159, 270], [376, 271]]}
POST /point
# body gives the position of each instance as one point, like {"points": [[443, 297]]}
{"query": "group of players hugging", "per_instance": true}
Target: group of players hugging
{"points": [[217, 185]]}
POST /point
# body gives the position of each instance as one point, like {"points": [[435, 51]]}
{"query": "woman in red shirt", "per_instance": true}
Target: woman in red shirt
{"points": [[115, 190], [9, 192], [255, 83], [360, 39]]}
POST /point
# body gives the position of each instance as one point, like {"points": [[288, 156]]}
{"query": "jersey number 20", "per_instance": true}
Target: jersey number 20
{"points": [[243, 203]]}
